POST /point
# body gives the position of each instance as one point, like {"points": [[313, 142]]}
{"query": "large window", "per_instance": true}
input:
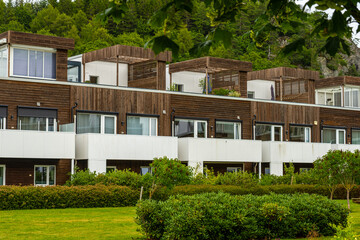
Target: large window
{"points": [[355, 136], [235, 169], [268, 132], [300, 134], [44, 175], [37, 119], [34, 63], [142, 125], [190, 128], [334, 136], [2, 175], [331, 97], [3, 62], [74, 71], [351, 97], [95, 123], [3, 115], [228, 130]]}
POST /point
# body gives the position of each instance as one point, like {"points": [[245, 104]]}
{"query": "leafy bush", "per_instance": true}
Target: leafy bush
{"points": [[234, 93], [340, 193], [82, 178], [221, 92], [244, 179], [30, 197], [220, 215]]}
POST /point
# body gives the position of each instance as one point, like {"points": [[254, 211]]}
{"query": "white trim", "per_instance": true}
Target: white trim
{"points": [[35, 48], [102, 123], [4, 173], [47, 175]]}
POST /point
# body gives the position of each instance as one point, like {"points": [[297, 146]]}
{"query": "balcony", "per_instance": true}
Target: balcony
{"points": [[37, 144], [198, 150], [97, 148]]}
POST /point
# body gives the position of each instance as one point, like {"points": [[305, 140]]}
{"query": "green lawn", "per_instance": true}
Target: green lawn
{"points": [[92, 223]]}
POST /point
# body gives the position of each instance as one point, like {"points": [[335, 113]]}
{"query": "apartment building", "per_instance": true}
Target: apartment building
{"points": [[113, 109]]}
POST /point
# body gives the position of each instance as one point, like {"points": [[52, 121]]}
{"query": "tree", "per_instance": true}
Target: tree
{"points": [[339, 167]]}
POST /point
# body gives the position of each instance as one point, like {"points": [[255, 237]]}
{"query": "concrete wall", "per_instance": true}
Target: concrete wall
{"points": [[98, 148], [37, 144], [261, 88], [190, 80], [197, 150]]}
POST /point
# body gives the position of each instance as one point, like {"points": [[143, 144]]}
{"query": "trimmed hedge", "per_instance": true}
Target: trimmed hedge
{"points": [[223, 216], [340, 193], [30, 197]]}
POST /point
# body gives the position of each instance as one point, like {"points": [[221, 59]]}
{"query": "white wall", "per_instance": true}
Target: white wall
{"points": [[190, 80], [37, 144], [262, 88], [106, 71], [97, 148]]}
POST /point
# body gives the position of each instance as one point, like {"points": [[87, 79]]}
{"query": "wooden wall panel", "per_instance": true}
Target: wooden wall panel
{"points": [[288, 114], [352, 80], [161, 75], [243, 84], [40, 40], [342, 118], [14, 94], [21, 171], [329, 82], [61, 65], [212, 108], [123, 102]]}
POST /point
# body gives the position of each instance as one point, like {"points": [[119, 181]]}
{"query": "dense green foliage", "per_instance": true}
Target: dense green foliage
{"points": [[216, 215], [30, 197], [78, 20]]}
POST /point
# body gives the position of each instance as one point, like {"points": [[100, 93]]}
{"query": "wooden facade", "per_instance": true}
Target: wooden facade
{"points": [[291, 84], [337, 81]]}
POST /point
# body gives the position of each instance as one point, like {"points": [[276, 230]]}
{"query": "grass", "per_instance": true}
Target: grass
{"points": [[89, 223]]}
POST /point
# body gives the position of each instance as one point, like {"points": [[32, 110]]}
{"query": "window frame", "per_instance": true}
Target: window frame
{"points": [[249, 93], [150, 117], [338, 130], [235, 122], [7, 60], [236, 168], [102, 120], [309, 127], [38, 130], [273, 125], [4, 174], [47, 175], [354, 129], [31, 48], [196, 120], [111, 169], [148, 167]]}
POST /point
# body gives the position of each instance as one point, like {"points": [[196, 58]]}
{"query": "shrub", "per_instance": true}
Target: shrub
{"points": [[82, 178], [221, 92], [30, 197], [220, 215], [244, 179]]}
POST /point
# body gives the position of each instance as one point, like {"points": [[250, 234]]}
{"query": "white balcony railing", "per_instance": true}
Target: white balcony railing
{"points": [[37, 144]]}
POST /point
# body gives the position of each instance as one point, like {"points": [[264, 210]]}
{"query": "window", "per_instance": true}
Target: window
{"points": [[301, 170], [4, 62], [190, 128], [267, 171], [3, 115], [355, 136], [235, 169], [142, 126], [37, 119], [337, 99], [300, 134], [267, 132], [351, 98], [95, 123], [34, 63], [334, 136], [94, 79], [110, 169], [74, 71], [2, 175], [145, 170], [228, 130], [251, 94], [44, 175], [179, 87]]}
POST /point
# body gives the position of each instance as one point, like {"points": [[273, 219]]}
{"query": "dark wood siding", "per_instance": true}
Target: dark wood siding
{"points": [[61, 65], [21, 171], [202, 107], [14, 94], [329, 82], [288, 114], [123, 102]]}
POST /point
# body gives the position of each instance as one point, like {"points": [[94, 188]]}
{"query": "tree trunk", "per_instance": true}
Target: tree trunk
{"points": [[332, 193], [348, 197]]}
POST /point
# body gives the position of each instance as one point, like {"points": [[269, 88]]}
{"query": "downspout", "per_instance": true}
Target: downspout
{"points": [[172, 115], [72, 111], [252, 127]]}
